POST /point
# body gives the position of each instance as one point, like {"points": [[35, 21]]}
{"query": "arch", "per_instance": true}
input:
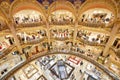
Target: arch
{"points": [[106, 4], [61, 12], [62, 5], [19, 5]]}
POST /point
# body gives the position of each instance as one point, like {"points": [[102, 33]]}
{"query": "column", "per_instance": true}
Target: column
{"points": [[111, 39], [17, 43], [75, 31], [48, 32]]}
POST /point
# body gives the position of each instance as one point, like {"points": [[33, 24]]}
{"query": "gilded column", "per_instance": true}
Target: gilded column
{"points": [[17, 42], [48, 32], [75, 31]]}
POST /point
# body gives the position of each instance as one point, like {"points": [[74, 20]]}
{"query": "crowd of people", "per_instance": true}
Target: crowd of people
{"points": [[29, 37], [67, 46], [61, 33], [28, 19], [61, 19], [92, 37], [96, 19]]}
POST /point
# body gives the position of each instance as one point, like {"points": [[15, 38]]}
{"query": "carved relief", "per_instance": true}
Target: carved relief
{"points": [[5, 5]]}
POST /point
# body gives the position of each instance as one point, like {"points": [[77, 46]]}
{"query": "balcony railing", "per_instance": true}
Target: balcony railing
{"points": [[96, 25], [31, 24], [93, 43], [62, 23], [6, 51]]}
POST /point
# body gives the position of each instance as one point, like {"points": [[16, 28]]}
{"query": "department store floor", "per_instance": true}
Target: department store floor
{"points": [[60, 67]]}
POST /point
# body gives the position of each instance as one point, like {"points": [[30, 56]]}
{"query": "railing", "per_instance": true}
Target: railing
{"points": [[32, 24], [96, 25], [6, 51], [61, 38], [33, 41], [62, 23], [91, 43]]}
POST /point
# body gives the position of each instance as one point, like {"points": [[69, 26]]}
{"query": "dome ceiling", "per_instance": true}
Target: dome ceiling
{"points": [[18, 6]]}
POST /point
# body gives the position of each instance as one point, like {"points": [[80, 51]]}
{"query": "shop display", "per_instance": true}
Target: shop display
{"points": [[92, 37], [93, 72], [97, 17], [30, 70], [61, 33], [61, 17], [28, 16], [45, 60], [26, 37], [74, 59]]}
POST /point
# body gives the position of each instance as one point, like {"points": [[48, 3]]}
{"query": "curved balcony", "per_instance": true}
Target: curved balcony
{"points": [[61, 23], [5, 51], [92, 38], [61, 34], [97, 18], [33, 41], [93, 43], [34, 37]]}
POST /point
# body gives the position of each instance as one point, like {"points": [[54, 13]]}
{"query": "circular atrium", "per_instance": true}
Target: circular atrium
{"points": [[59, 39]]}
